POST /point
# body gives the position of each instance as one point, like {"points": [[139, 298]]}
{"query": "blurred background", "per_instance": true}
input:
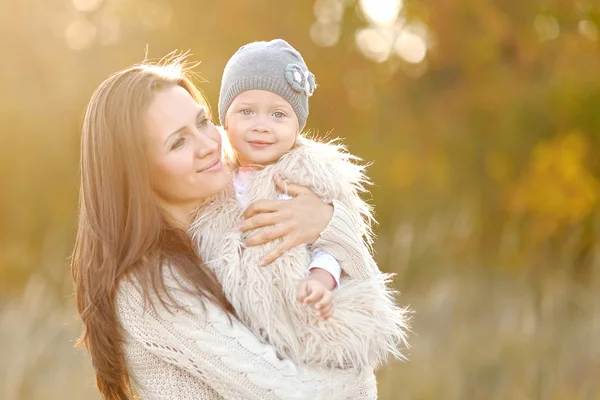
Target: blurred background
{"points": [[481, 118]]}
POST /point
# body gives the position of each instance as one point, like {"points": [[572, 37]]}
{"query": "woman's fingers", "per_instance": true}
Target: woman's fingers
{"points": [[266, 235], [261, 220], [262, 206], [277, 251]]}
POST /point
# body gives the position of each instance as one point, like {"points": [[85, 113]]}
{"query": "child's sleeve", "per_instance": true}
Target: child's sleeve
{"points": [[327, 262]]}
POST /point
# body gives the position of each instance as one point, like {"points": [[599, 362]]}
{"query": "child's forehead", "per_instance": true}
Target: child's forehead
{"points": [[261, 97]]}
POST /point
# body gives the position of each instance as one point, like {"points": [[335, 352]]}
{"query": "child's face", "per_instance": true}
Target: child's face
{"points": [[261, 126]]}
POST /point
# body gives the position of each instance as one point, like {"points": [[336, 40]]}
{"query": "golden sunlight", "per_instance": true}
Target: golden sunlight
{"points": [[381, 12], [87, 5]]}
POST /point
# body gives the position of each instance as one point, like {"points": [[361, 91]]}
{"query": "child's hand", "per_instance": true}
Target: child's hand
{"points": [[314, 293]]}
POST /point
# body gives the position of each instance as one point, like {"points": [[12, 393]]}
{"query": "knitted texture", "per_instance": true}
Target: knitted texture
{"points": [[193, 351]]}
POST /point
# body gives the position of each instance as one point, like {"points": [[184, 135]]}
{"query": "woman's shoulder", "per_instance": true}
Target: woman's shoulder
{"points": [[136, 297]]}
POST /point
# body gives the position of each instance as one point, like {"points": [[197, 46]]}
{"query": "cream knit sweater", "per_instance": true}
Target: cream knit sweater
{"points": [[196, 353]]}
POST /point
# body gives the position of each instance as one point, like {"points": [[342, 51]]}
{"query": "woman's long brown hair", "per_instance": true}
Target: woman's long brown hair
{"points": [[122, 232]]}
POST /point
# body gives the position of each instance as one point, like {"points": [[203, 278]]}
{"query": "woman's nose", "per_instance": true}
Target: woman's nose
{"points": [[206, 146]]}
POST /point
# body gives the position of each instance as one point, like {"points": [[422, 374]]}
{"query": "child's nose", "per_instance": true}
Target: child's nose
{"points": [[260, 127]]}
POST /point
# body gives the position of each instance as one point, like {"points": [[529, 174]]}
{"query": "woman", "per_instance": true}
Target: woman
{"points": [[152, 311]]}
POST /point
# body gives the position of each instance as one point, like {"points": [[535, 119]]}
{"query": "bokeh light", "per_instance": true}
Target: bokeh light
{"points": [[546, 27], [381, 12], [326, 29], [80, 34], [325, 34], [588, 29], [410, 46], [374, 43], [328, 11], [87, 5]]}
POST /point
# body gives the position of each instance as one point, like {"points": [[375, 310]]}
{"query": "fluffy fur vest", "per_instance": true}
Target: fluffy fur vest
{"points": [[366, 325]]}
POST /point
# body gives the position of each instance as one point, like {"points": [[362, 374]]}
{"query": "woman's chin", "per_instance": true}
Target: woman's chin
{"points": [[218, 182]]}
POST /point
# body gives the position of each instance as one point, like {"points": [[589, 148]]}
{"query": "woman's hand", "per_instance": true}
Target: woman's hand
{"points": [[298, 221]]}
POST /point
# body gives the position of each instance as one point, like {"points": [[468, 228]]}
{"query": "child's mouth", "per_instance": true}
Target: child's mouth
{"points": [[259, 144]]}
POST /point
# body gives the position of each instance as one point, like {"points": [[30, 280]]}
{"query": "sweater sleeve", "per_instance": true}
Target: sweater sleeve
{"points": [[343, 239], [198, 337]]}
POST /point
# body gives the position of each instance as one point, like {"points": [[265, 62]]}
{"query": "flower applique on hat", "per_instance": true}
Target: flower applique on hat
{"points": [[300, 80]]}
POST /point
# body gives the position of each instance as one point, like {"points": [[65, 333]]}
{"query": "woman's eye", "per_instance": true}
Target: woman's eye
{"points": [[178, 143], [246, 111], [202, 123], [278, 114]]}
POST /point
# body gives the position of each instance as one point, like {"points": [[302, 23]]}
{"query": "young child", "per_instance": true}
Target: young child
{"points": [[301, 303]]}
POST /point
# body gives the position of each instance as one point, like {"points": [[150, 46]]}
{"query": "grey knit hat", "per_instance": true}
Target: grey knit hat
{"points": [[274, 66]]}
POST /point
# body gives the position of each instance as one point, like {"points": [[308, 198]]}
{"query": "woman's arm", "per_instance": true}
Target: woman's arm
{"points": [[342, 239], [199, 338], [307, 220]]}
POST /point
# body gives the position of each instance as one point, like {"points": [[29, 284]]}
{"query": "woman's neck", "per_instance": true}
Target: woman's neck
{"points": [[181, 215]]}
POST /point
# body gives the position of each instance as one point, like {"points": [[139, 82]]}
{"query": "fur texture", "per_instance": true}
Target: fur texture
{"points": [[366, 325]]}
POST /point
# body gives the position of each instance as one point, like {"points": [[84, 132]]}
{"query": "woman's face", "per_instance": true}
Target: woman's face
{"points": [[184, 151]]}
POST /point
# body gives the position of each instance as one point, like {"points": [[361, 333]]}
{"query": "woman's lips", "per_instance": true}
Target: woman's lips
{"points": [[213, 167]]}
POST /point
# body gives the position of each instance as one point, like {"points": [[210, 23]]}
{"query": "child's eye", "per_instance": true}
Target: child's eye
{"points": [[278, 114], [178, 143], [246, 111]]}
